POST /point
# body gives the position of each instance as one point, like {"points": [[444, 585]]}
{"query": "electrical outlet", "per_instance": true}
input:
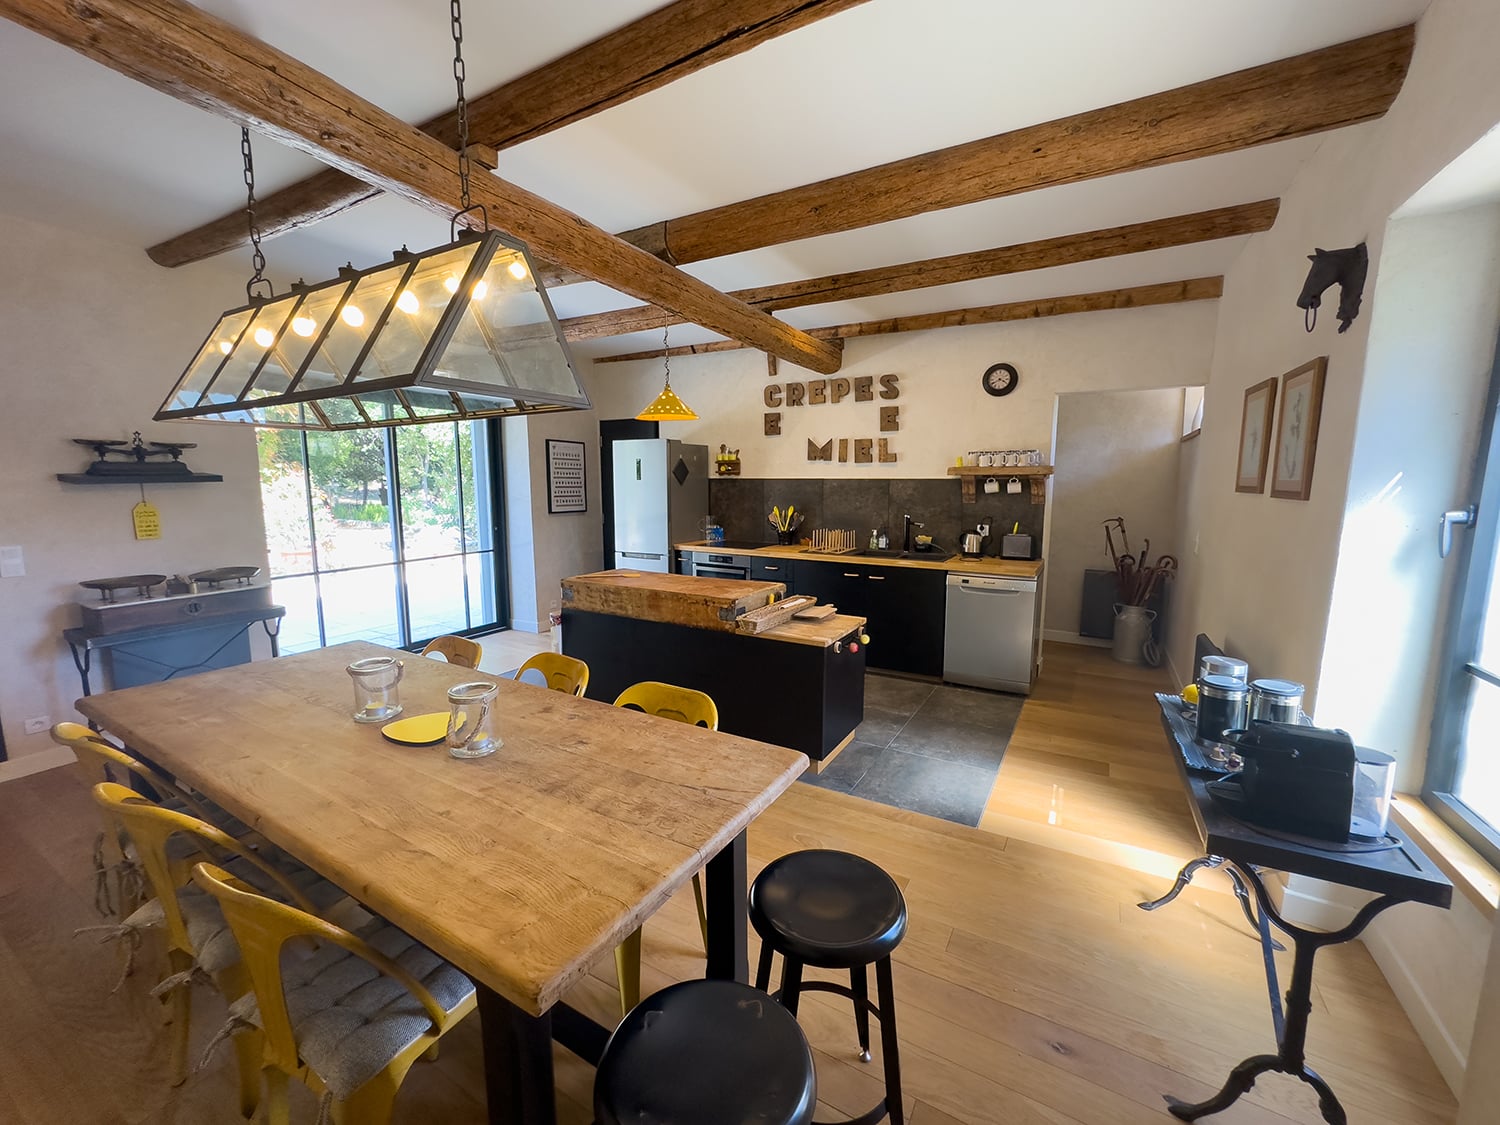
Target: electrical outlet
{"points": [[983, 528], [38, 724]]}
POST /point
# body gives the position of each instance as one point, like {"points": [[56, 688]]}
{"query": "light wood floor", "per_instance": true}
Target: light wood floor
{"points": [[1029, 988]]}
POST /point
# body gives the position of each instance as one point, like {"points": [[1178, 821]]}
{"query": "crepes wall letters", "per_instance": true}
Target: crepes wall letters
{"points": [[828, 392]]}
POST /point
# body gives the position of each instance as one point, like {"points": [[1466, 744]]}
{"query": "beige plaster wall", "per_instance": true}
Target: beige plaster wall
{"points": [[1268, 569], [94, 335], [1117, 455], [944, 412], [545, 547]]}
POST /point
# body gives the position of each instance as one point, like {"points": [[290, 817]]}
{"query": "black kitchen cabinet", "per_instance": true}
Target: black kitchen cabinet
{"points": [[904, 607], [773, 570]]}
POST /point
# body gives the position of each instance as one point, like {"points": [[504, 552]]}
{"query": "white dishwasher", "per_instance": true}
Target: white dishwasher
{"points": [[989, 636]]}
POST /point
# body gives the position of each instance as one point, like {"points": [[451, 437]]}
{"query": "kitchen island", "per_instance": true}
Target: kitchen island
{"points": [[903, 595], [799, 685]]}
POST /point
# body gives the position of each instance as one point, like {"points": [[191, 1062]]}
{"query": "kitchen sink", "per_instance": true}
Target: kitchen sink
{"points": [[896, 553]]}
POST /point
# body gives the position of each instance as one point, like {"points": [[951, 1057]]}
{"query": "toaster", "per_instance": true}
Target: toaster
{"points": [[1015, 547]]}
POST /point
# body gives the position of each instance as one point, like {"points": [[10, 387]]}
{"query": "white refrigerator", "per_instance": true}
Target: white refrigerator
{"points": [[661, 497]]}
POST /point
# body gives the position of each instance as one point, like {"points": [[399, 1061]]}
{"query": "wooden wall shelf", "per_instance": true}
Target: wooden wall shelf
{"points": [[969, 474]]}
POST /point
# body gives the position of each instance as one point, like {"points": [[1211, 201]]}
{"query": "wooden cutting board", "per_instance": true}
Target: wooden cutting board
{"points": [[676, 599]]}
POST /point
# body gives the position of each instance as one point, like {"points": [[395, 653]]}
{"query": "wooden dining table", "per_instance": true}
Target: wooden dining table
{"points": [[522, 868]]}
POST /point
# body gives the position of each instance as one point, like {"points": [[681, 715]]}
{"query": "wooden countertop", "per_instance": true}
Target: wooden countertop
{"points": [[994, 568], [701, 603], [521, 868]]}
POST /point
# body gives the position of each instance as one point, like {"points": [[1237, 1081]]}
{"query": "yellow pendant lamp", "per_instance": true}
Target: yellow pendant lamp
{"points": [[667, 407]]}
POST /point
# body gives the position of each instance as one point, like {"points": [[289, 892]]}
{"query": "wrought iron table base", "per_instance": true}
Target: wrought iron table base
{"points": [[1185, 876], [1291, 1034]]}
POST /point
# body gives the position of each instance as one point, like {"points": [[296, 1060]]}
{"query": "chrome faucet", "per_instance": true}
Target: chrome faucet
{"points": [[906, 540]]}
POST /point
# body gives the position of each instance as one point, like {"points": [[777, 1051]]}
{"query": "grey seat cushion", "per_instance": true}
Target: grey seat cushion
{"points": [[351, 1020]]}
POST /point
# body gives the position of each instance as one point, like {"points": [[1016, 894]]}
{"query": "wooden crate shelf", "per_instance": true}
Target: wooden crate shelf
{"points": [[969, 475]]}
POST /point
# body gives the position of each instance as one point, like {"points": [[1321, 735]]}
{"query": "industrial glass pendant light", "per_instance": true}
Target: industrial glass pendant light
{"points": [[460, 331], [667, 407]]}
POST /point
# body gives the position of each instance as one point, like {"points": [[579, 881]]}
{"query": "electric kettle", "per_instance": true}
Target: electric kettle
{"points": [[971, 543]]}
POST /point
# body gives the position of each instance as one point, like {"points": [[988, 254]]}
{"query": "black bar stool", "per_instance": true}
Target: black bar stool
{"points": [[833, 910], [706, 1052]]}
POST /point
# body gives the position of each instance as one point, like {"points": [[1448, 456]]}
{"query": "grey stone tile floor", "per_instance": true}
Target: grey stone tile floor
{"points": [[931, 748]]}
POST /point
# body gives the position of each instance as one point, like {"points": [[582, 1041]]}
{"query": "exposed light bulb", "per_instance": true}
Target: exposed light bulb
{"points": [[264, 337], [352, 316], [304, 325], [518, 270], [408, 302], [450, 284], [479, 290], [225, 346]]}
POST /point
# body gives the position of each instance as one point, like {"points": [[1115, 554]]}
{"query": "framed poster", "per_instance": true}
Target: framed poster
{"points": [[1297, 430], [565, 481], [1255, 437]]}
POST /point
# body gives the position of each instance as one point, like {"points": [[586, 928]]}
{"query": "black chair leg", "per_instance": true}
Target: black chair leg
{"points": [[859, 984], [763, 970], [791, 983], [886, 994]]}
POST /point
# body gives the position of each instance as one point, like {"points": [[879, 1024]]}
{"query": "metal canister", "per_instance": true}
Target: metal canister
{"points": [[1221, 665], [1276, 701], [1223, 704]]}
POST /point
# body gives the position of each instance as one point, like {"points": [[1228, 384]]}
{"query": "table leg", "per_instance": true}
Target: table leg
{"points": [[1185, 876], [728, 917], [518, 1084], [1290, 1057]]}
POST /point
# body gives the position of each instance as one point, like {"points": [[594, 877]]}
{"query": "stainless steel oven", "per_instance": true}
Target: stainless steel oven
{"points": [[720, 566]]}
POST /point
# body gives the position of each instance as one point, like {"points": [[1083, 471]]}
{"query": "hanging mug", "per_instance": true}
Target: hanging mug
{"points": [[991, 485], [1013, 485]]}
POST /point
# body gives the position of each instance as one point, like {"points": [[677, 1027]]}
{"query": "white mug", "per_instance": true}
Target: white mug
{"points": [[986, 459], [1013, 485], [971, 458], [991, 485]]}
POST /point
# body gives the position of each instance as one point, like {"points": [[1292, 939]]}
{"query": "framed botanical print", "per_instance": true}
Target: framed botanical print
{"points": [[1255, 437], [1297, 430]]}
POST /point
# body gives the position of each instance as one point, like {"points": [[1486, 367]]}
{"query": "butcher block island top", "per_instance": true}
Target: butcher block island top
{"points": [[702, 603], [523, 867]]}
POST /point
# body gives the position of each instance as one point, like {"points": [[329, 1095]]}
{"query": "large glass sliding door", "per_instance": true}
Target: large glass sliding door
{"points": [[387, 535]]}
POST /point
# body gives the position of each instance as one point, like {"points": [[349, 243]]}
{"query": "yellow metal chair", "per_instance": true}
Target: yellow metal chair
{"points": [[349, 1019], [562, 673], [682, 705], [455, 650], [197, 937], [100, 760]]}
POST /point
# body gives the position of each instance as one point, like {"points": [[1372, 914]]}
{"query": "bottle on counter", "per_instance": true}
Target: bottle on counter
{"points": [[874, 539], [884, 542]]}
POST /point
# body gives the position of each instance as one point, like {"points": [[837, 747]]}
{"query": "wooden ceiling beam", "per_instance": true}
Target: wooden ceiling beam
{"points": [[180, 50], [1140, 296], [1134, 238], [1310, 93], [653, 51]]}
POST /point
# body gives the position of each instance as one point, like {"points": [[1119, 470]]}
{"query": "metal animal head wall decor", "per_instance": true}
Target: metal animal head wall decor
{"points": [[1348, 268]]}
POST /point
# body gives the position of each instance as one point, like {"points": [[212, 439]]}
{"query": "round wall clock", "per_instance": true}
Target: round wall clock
{"points": [[1000, 379]]}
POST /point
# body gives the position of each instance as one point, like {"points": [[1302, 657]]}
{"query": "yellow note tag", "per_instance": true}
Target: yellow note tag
{"points": [[147, 521]]}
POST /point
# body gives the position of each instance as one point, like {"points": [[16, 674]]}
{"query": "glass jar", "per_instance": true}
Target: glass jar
{"points": [[471, 720], [376, 698]]}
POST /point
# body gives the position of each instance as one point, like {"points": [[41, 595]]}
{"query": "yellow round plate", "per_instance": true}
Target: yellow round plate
{"points": [[418, 730]]}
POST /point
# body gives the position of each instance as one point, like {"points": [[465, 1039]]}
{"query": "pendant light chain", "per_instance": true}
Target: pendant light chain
{"points": [[258, 257], [666, 356], [456, 17]]}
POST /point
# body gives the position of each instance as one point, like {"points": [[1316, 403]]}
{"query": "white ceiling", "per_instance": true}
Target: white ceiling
{"points": [[93, 150]]}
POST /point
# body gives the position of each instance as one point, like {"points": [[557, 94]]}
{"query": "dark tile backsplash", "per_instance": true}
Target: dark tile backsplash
{"points": [[742, 505]]}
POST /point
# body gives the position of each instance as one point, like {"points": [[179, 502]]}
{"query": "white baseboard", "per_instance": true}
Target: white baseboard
{"points": [[1451, 1059], [1064, 637], [28, 764]]}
